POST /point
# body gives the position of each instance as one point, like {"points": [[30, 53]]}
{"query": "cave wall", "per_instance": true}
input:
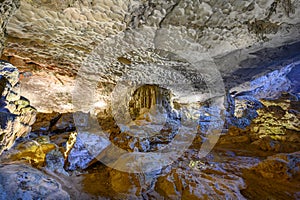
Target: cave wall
{"points": [[7, 9], [16, 114]]}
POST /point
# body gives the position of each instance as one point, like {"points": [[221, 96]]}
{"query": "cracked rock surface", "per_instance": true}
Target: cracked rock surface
{"points": [[17, 115]]}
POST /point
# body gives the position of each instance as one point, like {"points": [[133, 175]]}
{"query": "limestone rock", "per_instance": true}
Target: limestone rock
{"points": [[53, 123], [86, 148], [279, 119], [32, 151], [7, 8], [267, 144], [16, 113], [243, 110], [65, 123], [179, 183], [275, 128], [280, 166], [198, 186], [79, 25], [55, 162], [125, 183], [53, 41], [19, 181], [44, 122]]}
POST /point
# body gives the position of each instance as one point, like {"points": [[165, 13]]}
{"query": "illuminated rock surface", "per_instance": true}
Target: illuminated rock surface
{"points": [[222, 74], [19, 181], [16, 113]]}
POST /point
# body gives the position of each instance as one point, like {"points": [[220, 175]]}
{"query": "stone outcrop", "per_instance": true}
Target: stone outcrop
{"points": [[271, 176], [32, 151], [178, 184], [278, 119], [187, 179], [280, 166], [19, 181], [85, 150], [273, 126], [53, 123], [17, 115]]}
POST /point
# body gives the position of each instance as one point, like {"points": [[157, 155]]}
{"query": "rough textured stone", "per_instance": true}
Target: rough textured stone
{"points": [[53, 123], [274, 125], [19, 181], [280, 166], [32, 151], [16, 113], [50, 42], [55, 162], [7, 9], [253, 45], [80, 25], [278, 119], [198, 179], [85, 149], [178, 184]]}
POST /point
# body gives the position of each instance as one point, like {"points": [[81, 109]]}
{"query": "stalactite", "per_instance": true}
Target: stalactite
{"points": [[147, 96]]}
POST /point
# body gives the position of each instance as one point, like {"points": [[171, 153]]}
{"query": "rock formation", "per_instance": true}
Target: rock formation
{"points": [[155, 99], [17, 115], [19, 181], [7, 9], [54, 41]]}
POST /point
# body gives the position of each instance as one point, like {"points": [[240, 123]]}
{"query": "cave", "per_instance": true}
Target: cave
{"points": [[135, 99], [146, 97]]}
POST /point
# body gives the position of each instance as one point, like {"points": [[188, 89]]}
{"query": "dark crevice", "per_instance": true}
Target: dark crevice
{"points": [[169, 11]]}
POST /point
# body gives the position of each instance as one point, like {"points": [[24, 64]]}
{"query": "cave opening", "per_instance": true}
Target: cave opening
{"points": [[149, 97]]}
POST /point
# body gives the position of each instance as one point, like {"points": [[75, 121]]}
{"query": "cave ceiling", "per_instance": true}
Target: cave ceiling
{"points": [[51, 40]]}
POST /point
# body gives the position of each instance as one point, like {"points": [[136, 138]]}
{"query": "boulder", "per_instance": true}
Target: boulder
{"points": [[86, 148], [19, 181]]}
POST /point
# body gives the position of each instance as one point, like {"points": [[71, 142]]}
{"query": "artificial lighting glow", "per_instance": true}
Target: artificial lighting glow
{"points": [[100, 104]]}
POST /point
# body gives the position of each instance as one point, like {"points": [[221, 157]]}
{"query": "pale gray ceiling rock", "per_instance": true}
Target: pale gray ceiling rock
{"points": [[53, 39], [63, 32]]}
